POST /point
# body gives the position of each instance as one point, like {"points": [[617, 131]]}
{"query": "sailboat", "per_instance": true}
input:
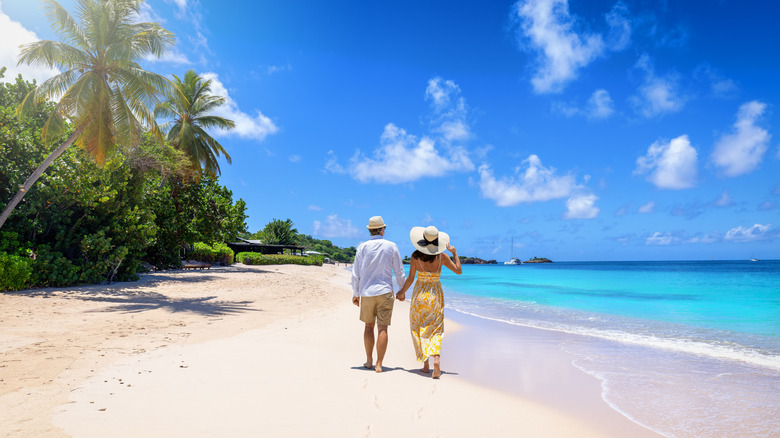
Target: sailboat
{"points": [[512, 259]]}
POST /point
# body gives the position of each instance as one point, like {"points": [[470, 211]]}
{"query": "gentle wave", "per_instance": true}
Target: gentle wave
{"points": [[690, 346]]}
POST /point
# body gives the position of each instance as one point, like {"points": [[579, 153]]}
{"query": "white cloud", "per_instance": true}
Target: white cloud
{"points": [[671, 165], [718, 85], [181, 4], [647, 208], [619, 36], [440, 92], [705, 238], [600, 105], [679, 238], [742, 151], [278, 68], [661, 239], [724, 200], [13, 35], [402, 158], [336, 227], [562, 51], [256, 127], [449, 110], [581, 207], [294, 158], [740, 234], [332, 165], [171, 56], [533, 182], [314, 207], [549, 30], [657, 95]]}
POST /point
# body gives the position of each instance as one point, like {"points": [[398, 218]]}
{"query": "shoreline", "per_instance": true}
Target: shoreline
{"points": [[171, 356], [537, 367]]}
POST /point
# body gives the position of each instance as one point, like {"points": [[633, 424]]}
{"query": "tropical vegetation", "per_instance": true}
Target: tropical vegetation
{"points": [[191, 112], [85, 222], [281, 232], [253, 258], [103, 97], [132, 195]]}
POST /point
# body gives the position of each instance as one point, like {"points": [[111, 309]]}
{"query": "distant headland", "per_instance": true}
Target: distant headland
{"points": [[464, 261], [538, 260]]}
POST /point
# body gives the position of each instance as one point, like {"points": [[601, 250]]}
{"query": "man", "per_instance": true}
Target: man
{"points": [[372, 288]]}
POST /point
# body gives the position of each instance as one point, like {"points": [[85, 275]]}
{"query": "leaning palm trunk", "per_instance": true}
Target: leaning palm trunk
{"points": [[102, 91], [37, 174]]}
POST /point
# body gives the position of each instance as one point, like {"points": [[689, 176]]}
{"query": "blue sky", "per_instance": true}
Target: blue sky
{"points": [[580, 130]]}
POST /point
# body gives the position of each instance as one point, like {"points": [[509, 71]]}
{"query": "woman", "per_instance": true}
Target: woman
{"points": [[426, 315]]}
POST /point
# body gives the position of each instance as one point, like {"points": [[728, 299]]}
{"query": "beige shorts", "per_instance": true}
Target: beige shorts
{"points": [[377, 309]]}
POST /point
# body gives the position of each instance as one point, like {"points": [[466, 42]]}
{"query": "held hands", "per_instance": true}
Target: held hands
{"points": [[400, 296]]}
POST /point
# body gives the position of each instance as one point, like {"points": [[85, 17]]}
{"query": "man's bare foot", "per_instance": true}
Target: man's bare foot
{"points": [[436, 371], [378, 367], [368, 365]]}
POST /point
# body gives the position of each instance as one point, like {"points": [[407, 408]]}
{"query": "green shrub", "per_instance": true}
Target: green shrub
{"points": [[202, 252], [219, 253], [224, 254], [51, 268], [254, 258], [15, 272]]}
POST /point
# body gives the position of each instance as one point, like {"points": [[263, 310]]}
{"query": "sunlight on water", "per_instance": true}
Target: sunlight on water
{"points": [[685, 348]]}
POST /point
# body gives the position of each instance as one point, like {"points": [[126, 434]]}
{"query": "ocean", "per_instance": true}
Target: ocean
{"points": [[685, 348]]}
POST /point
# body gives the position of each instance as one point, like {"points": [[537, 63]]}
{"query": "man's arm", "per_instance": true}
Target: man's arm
{"points": [[356, 280], [398, 267]]}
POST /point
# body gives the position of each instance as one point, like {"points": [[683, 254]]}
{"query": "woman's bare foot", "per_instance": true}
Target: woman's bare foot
{"points": [[425, 369], [436, 368]]}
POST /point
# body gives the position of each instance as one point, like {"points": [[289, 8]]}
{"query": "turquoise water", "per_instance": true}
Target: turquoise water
{"points": [[684, 348]]}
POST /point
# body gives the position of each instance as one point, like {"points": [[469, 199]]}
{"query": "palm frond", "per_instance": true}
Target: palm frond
{"points": [[52, 54], [216, 122], [64, 24]]}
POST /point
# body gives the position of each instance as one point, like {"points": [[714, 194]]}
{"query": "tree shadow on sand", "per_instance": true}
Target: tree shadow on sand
{"points": [[139, 296], [200, 305]]}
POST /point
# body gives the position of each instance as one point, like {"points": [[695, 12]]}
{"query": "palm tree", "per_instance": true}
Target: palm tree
{"points": [[190, 110], [279, 232], [103, 92]]}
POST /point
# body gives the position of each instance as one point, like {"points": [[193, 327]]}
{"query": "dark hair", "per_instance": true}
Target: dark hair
{"points": [[376, 231], [427, 258]]}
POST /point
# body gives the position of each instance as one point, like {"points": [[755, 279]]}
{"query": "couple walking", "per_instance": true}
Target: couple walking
{"points": [[376, 261]]}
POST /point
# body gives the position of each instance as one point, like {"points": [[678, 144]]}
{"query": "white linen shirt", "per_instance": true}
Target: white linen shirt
{"points": [[372, 272]]}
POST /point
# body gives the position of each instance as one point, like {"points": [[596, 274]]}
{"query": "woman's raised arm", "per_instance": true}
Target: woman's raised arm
{"points": [[454, 267]]}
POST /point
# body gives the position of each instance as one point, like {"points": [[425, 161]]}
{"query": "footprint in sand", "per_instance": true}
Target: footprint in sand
{"points": [[376, 402]]}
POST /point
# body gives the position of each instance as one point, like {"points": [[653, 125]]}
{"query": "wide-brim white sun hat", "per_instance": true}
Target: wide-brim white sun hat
{"points": [[429, 240]]}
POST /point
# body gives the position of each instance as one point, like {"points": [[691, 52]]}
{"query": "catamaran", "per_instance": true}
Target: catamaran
{"points": [[512, 259]]}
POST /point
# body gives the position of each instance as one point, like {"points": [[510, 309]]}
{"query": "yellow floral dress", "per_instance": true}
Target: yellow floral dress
{"points": [[426, 314]]}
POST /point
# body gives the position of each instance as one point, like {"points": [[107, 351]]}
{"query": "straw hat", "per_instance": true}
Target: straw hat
{"points": [[375, 222], [429, 240]]}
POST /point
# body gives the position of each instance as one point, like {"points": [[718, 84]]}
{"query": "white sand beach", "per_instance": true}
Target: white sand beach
{"points": [[268, 351]]}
